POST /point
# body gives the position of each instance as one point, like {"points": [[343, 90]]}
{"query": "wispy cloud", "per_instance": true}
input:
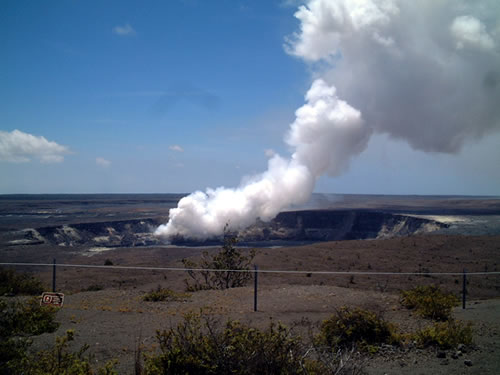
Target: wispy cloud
{"points": [[19, 147], [269, 152], [145, 93], [102, 162], [176, 148], [185, 92], [125, 30], [291, 3]]}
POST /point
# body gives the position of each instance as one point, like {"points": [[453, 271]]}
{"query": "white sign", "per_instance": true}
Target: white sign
{"points": [[52, 298]]}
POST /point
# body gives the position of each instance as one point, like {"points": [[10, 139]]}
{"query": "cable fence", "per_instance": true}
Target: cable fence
{"points": [[464, 275]]}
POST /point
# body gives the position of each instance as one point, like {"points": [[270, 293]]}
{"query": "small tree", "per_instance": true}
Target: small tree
{"points": [[233, 264]]}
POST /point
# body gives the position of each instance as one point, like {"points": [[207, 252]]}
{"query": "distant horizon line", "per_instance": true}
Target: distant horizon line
{"points": [[315, 193]]}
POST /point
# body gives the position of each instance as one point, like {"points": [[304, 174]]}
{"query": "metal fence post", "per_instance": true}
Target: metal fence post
{"points": [[255, 283], [54, 275], [464, 289]]}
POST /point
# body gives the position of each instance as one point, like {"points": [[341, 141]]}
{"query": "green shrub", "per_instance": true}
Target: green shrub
{"points": [[199, 345], [15, 283], [108, 262], [26, 318], [60, 361], [445, 335], [12, 349], [93, 288], [430, 302], [165, 294], [358, 327], [18, 321], [229, 258]]}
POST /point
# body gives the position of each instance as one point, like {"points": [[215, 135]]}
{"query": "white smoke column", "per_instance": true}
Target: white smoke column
{"points": [[427, 71], [327, 132], [424, 71]]}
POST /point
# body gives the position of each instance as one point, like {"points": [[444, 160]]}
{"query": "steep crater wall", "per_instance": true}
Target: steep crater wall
{"points": [[290, 227], [330, 225], [124, 233]]}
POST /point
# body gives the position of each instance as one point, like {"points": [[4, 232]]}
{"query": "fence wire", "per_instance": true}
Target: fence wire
{"points": [[181, 269]]}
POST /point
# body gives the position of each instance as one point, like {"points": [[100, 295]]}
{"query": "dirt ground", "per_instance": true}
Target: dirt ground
{"points": [[114, 319], [113, 322]]}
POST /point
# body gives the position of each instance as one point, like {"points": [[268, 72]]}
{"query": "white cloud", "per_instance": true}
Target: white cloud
{"points": [[19, 147], [125, 30], [176, 148], [102, 162], [468, 30]]}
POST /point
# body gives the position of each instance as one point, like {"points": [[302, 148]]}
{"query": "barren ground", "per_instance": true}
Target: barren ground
{"points": [[115, 319]]}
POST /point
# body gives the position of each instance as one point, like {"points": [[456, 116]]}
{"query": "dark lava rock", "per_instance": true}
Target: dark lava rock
{"points": [[468, 362], [441, 354]]}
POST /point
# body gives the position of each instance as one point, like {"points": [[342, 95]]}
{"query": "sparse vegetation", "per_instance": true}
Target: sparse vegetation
{"points": [[356, 327], [26, 318], [165, 294], [445, 335], [14, 283], [199, 345], [228, 258], [430, 302], [60, 361], [94, 288], [18, 321], [22, 319]]}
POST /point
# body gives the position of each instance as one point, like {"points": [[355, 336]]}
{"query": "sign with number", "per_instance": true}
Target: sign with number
{"points": [[51, 298]]}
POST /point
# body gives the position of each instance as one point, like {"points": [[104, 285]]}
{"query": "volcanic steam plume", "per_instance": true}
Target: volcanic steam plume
{"points": [[427, 72]]}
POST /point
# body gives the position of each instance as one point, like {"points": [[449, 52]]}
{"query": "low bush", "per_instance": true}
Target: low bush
{"points": [[60, 361], [200, 345], [165, 294], [430, 302], [93, 288], [108, 262], [361, 328], [445, 335], [228, 258], [26, 318], [18, 321], [13, 283]]}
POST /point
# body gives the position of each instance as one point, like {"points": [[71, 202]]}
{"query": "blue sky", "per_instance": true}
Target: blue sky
{"points": [[175, 96]]}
